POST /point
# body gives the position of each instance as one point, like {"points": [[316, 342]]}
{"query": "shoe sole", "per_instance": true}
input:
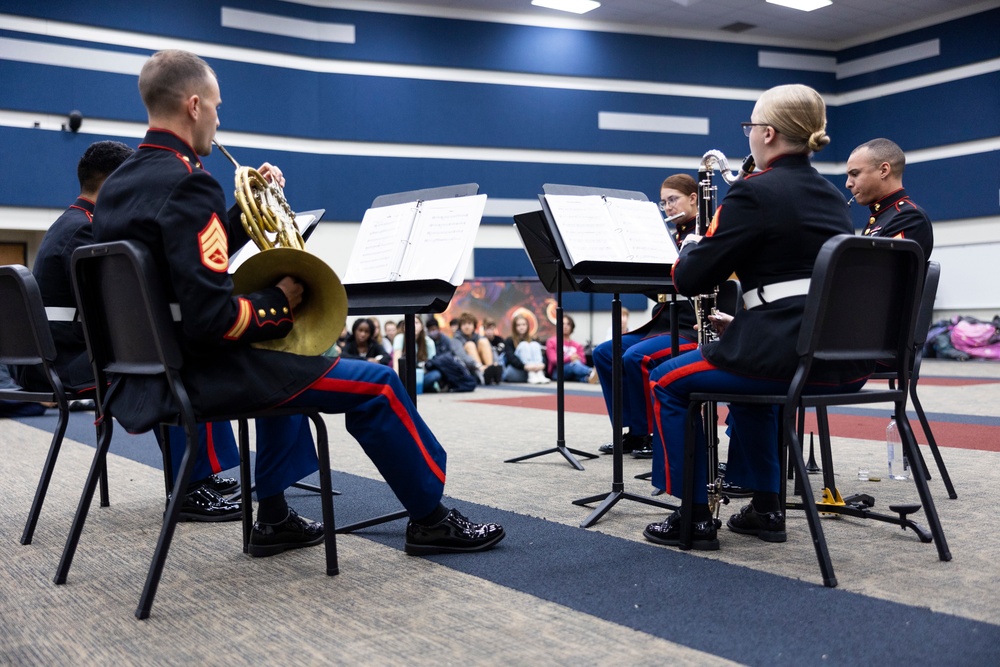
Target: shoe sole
{"points": [[766, 535], [204, 518], [265, 550], [696, 545], [427, 550]]}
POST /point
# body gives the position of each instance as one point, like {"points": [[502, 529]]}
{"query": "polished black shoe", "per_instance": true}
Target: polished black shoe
{"points": [[644, 453], [203, 504], [224, 486], [668, 532], [768, 526], [453, 534], [630, 443], [268, 539]]}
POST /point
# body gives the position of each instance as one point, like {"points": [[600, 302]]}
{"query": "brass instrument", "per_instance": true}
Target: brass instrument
{"points": [[705, 306], [270, 223]]}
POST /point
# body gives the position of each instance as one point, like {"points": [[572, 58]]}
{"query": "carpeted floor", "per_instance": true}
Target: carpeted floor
{"points": [[551, 593]]}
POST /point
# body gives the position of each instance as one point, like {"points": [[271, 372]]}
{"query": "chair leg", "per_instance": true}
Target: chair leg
{"points": [[809, 504], [43, 482], [326, 493], [932, 443], [246, 486], [104, 495], [98, 465], [920, 479], [169, 523]]}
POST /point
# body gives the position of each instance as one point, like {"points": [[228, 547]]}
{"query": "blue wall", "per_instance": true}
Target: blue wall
{"points": [[430, 112]]}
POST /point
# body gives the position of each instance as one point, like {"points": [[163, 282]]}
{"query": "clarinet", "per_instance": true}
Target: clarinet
{"points": [[705, 306]]}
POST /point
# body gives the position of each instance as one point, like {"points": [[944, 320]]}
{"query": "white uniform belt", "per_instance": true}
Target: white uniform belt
{"points": [[775, 291], [63, 314]]}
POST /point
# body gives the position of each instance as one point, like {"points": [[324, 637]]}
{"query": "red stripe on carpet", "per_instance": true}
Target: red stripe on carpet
{"points": [[947, 434]]}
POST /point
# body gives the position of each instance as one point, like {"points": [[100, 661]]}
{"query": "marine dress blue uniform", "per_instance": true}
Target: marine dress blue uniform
{"points": [[768, 230], [164, 198]]}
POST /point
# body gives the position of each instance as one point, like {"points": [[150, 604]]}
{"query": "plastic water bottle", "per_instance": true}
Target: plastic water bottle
{"points": [[899, 465]]}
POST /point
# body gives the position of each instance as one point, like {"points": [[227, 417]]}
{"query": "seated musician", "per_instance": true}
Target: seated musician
{"points": [[163, 198], [768, 230]]}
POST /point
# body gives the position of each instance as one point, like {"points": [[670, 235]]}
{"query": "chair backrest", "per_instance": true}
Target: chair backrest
{"points": [[863, 299], [126, 317], [25, 338]]}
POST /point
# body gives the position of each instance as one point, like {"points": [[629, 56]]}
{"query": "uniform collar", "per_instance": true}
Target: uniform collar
{"points": [[788, 159], [157, 138], [84, 204], [887, 202]]}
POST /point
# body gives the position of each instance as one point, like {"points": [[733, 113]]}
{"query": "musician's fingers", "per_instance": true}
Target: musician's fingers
{"points": [[272, 174]]}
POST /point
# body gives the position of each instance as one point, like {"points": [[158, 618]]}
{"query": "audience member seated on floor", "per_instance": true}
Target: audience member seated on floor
{"points": [[361, 346], [478, 348], [389, 337], [573, 354], [455, 373], [525, 360], [377, 336], [498, 344], [426, 350], [454, 324]]}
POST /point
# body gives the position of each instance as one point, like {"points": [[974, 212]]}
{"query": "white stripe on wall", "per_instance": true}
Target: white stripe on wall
{"points": [[639, 122], [796, 61], [887, 59], [508, 208], [77, 57], [272, 24]]}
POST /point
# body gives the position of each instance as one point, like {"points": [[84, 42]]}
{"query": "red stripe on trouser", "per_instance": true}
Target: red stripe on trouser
{"points": [[373, 389], [213, 459], [674, 375], [656, 356]]}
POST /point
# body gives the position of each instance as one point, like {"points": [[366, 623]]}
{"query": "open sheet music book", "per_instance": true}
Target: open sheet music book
{"points": [[608, 229], [422, 240]]}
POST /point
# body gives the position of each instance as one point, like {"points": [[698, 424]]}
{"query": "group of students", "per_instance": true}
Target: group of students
{"points": [[768, 230], [485, 358]]}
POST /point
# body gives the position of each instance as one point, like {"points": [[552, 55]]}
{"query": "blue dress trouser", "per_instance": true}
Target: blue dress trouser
{"points": [[380, 415], [217, 449], [639, 357], [753, 457]]}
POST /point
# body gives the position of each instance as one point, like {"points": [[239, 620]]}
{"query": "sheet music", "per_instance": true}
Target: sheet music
{"points": [[381, 243], [426, 240], [645, 233], [609, 229]]}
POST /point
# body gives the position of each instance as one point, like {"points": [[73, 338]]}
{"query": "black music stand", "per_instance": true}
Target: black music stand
{"points": [[409, 297], [612, 278], [540, 246]]}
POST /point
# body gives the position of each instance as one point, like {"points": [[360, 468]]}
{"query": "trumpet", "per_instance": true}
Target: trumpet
{"points": [[270, 222]]}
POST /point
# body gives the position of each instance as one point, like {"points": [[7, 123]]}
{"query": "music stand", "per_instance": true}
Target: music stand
{"points": [[539, 245], [612, 278], [409, 297]]}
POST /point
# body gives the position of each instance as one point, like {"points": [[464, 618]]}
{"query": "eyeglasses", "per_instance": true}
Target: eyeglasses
{"points": [[747, 127], [669, 201]]}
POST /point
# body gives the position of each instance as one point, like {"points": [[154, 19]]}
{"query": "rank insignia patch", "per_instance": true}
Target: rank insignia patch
{"points": [[214, 244]]}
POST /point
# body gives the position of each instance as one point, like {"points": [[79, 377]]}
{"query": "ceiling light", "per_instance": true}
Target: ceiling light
{"points": [[575, 6], [801, 5]]}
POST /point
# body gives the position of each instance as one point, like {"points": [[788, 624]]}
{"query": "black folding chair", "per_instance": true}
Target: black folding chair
{"points": [[26, 340], [130, 331], [862, 305]]}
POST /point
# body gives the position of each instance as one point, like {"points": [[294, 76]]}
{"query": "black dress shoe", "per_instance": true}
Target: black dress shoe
{"points": [[644, 453], [224, 486], [768, 526], [203, 504], [268, 539], [453, 534], [704, 538], [732, 490], [630, 443]]}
